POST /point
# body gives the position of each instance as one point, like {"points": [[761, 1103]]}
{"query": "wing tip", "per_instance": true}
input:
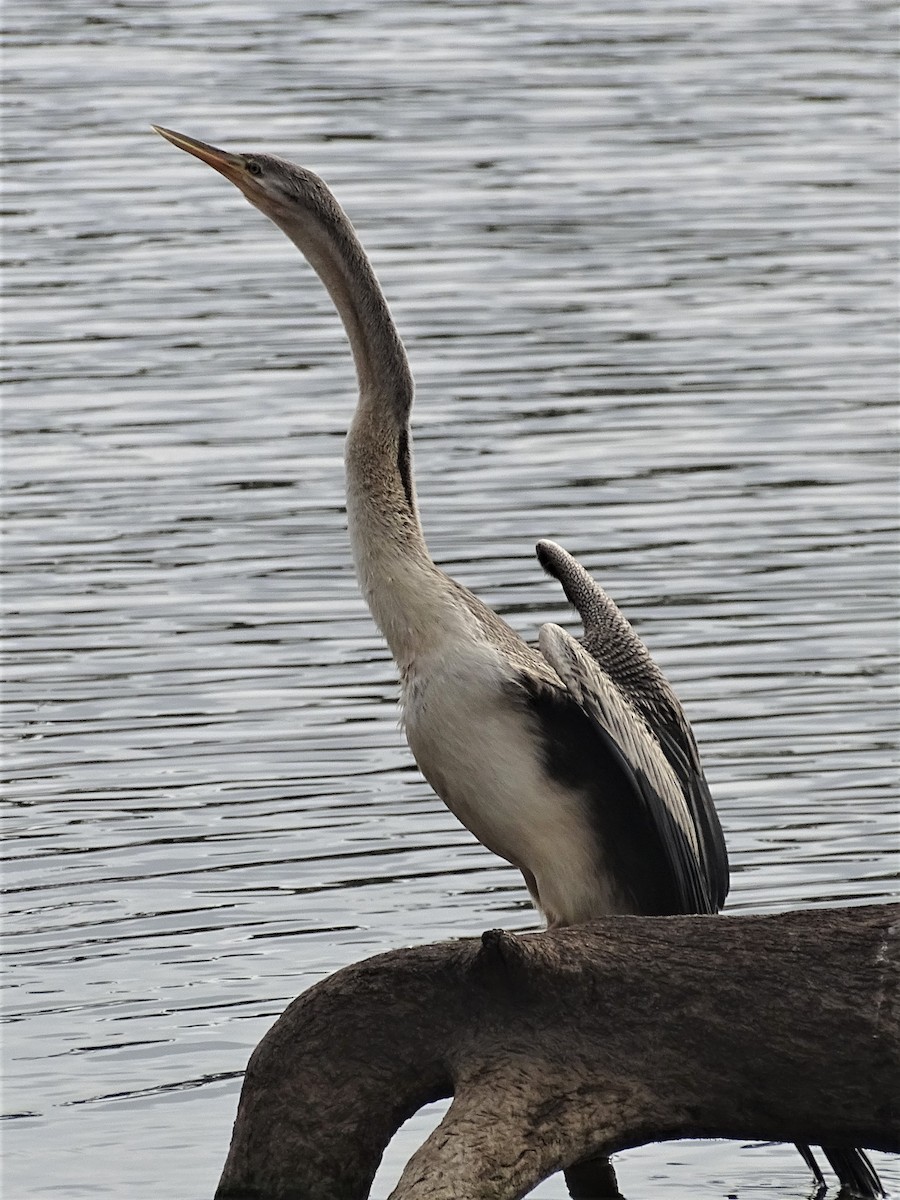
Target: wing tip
{"points": [[576, 582], [550, 555], [553, 638]]}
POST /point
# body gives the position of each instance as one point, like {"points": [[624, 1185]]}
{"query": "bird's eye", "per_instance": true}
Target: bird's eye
{"points": [[254, 167]]}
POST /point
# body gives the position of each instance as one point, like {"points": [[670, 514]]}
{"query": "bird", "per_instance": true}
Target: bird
{"points": [[573, 760]]}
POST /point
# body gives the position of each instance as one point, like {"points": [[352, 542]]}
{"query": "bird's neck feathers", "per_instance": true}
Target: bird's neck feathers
{"points": [[408, 597], [329, 243]]}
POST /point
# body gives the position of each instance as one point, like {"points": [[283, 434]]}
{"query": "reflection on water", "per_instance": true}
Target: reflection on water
{"points": [[641, 261]]}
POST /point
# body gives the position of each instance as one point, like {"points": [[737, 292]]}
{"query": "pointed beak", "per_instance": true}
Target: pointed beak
{"points": [[229, 165]]}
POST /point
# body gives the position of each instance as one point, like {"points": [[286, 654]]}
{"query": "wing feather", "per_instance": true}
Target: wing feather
{"points": [[625, 662], [654, 783]]}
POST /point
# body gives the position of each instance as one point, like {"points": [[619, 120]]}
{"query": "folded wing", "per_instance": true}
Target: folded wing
{"points": [[611, 677]]}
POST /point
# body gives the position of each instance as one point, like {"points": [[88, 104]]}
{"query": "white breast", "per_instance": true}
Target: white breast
{"points": [[481, 753]]}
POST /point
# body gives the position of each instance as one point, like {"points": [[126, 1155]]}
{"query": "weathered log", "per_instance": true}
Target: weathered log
{"points": [[575, 1042]]}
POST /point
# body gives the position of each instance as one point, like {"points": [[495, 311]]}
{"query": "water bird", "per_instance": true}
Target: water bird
{"points": [[572, 760]]}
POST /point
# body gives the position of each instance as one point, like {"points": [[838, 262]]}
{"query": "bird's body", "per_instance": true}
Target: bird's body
{"points": [[465, 715], [469, 727], [572, 760]]}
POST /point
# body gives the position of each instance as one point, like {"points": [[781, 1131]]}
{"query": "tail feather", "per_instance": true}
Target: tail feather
{"points": [[810, 1159], [857, 1175]]}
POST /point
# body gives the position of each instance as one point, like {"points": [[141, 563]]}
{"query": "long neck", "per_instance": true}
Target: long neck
{"points": [[329, 242], [405, 592]]}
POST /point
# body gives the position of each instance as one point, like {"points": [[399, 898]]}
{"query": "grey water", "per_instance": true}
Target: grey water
{"points": [[642, 256]]}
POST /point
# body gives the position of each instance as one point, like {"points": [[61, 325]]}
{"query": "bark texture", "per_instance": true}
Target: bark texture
{"points": [[569, 1043]]}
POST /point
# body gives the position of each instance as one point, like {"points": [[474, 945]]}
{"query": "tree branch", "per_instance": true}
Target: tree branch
{"points": [[576, 1042]]}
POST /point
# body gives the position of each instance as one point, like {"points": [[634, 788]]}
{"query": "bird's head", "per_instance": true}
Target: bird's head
{"points": [[278, 188], [299, 202]]}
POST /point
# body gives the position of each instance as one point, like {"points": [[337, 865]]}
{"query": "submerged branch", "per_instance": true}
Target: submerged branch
{"points": [[560, 1045]]}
